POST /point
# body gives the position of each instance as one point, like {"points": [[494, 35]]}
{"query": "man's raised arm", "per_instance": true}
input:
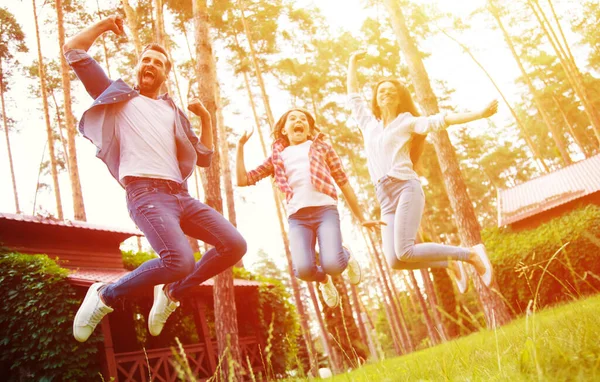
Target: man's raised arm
{"points": [[85, 38]]}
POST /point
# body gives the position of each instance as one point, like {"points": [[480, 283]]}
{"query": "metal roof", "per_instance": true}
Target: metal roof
{"points": [[67, 223], [549, 191]]}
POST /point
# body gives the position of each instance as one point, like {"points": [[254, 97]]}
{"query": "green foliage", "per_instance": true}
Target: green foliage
{"points": [[132, 260], [278, 322], [36, 340], [522, 258]]}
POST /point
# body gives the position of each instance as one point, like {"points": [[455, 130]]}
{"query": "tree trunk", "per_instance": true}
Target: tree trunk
{"points": [[131, 17], [398, 333], [78, 206], [261, 83], [226, 326], [556, 133], [333, 359], [53, 165], [567, 62], [103, 41], [536, 155], [8, 148], [226, 165], [359, 319], [433, 304], [159, 33], [468, 227], [569, 125], [423, 305], [446, 300], [286, 244]]}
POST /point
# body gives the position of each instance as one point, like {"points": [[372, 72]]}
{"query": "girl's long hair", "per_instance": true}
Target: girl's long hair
{"points": [[282, 120], [406, 105]]}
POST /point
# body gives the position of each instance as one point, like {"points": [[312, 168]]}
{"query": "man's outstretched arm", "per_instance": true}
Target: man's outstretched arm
{"points": [[85, 38]]}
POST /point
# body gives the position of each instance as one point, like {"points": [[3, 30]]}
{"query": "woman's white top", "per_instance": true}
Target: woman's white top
{"points": [[388, 148]]}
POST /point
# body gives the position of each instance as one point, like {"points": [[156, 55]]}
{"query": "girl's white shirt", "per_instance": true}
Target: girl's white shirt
{"points": [[297, 169]]}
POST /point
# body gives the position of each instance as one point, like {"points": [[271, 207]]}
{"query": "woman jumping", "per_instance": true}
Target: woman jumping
{"points": [[393, 129]]}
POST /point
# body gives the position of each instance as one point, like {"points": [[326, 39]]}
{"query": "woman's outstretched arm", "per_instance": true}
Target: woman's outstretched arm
{"points": [[459, 118], [352, 80]]}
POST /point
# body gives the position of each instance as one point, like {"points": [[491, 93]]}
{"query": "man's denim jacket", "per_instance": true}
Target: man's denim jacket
{"points": [[98, 122]]}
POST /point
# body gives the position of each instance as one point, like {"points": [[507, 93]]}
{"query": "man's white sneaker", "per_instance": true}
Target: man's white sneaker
{"points": [[161, 310], [90, 313], [488, 275], [330, 293], [353, 270]]}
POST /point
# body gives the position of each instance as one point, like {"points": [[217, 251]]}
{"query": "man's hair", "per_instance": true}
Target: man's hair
{"points": [[160, 49]]}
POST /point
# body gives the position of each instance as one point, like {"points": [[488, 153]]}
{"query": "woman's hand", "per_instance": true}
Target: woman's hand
{"points": [[358, 55], [490, 109]]}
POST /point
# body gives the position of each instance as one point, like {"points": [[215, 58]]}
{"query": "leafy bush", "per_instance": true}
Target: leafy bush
{"points": [[278, 321], [36, 338], [527, 260]]}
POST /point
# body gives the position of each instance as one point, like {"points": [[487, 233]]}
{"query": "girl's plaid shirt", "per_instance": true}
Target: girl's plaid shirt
{"points": [[325, 168]]}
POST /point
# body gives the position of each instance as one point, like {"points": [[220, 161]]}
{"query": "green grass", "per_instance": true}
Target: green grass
{"points": [[558, 344]]}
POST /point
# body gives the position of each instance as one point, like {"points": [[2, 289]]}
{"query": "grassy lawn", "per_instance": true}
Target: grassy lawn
{"points": [[559, 344]]}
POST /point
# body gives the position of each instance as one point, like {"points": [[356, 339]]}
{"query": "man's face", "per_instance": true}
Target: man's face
{"points": [[152, 71]]}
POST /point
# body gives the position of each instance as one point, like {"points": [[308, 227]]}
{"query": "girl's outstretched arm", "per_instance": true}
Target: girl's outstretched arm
{"points": [[352, 201], [459, 118], [240, 167], [352, 80]]}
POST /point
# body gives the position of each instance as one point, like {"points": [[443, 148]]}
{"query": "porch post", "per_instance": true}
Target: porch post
{"points": [[203, 333], [110, 365]]}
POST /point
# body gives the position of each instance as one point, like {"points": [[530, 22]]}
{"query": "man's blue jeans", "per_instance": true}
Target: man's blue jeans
{"points": [[306, 226], [165, 212]]}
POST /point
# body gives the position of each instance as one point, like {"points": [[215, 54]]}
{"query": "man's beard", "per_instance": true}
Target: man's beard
{"points": [[149, 85]]}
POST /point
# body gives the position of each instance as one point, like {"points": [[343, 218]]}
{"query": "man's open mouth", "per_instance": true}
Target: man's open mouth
{"points": [[149, 75]]}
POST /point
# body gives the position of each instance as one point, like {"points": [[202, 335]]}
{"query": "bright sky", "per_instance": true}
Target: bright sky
{"points": [[105, 199]]}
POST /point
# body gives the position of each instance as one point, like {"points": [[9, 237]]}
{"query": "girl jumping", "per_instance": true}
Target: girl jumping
{"points": [[305, 168]]}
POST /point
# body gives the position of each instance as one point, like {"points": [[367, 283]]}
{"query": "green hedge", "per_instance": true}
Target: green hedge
{"points": [[520, 258], [278, 321], [36, 316]]}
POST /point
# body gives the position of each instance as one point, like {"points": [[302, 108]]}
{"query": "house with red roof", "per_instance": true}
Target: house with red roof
{"points": [[543, 198], [92, 254]]}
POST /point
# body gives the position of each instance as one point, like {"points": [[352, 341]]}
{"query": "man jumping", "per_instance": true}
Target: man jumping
{"points": [[148, 145]]}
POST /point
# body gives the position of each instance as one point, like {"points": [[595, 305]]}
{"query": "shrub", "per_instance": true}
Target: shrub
{"points": [[278, 321], [521, 258], [36, 339]]}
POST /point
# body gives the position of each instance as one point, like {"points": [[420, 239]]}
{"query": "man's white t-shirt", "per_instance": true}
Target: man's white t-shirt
{"points": [[146, 129]]}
